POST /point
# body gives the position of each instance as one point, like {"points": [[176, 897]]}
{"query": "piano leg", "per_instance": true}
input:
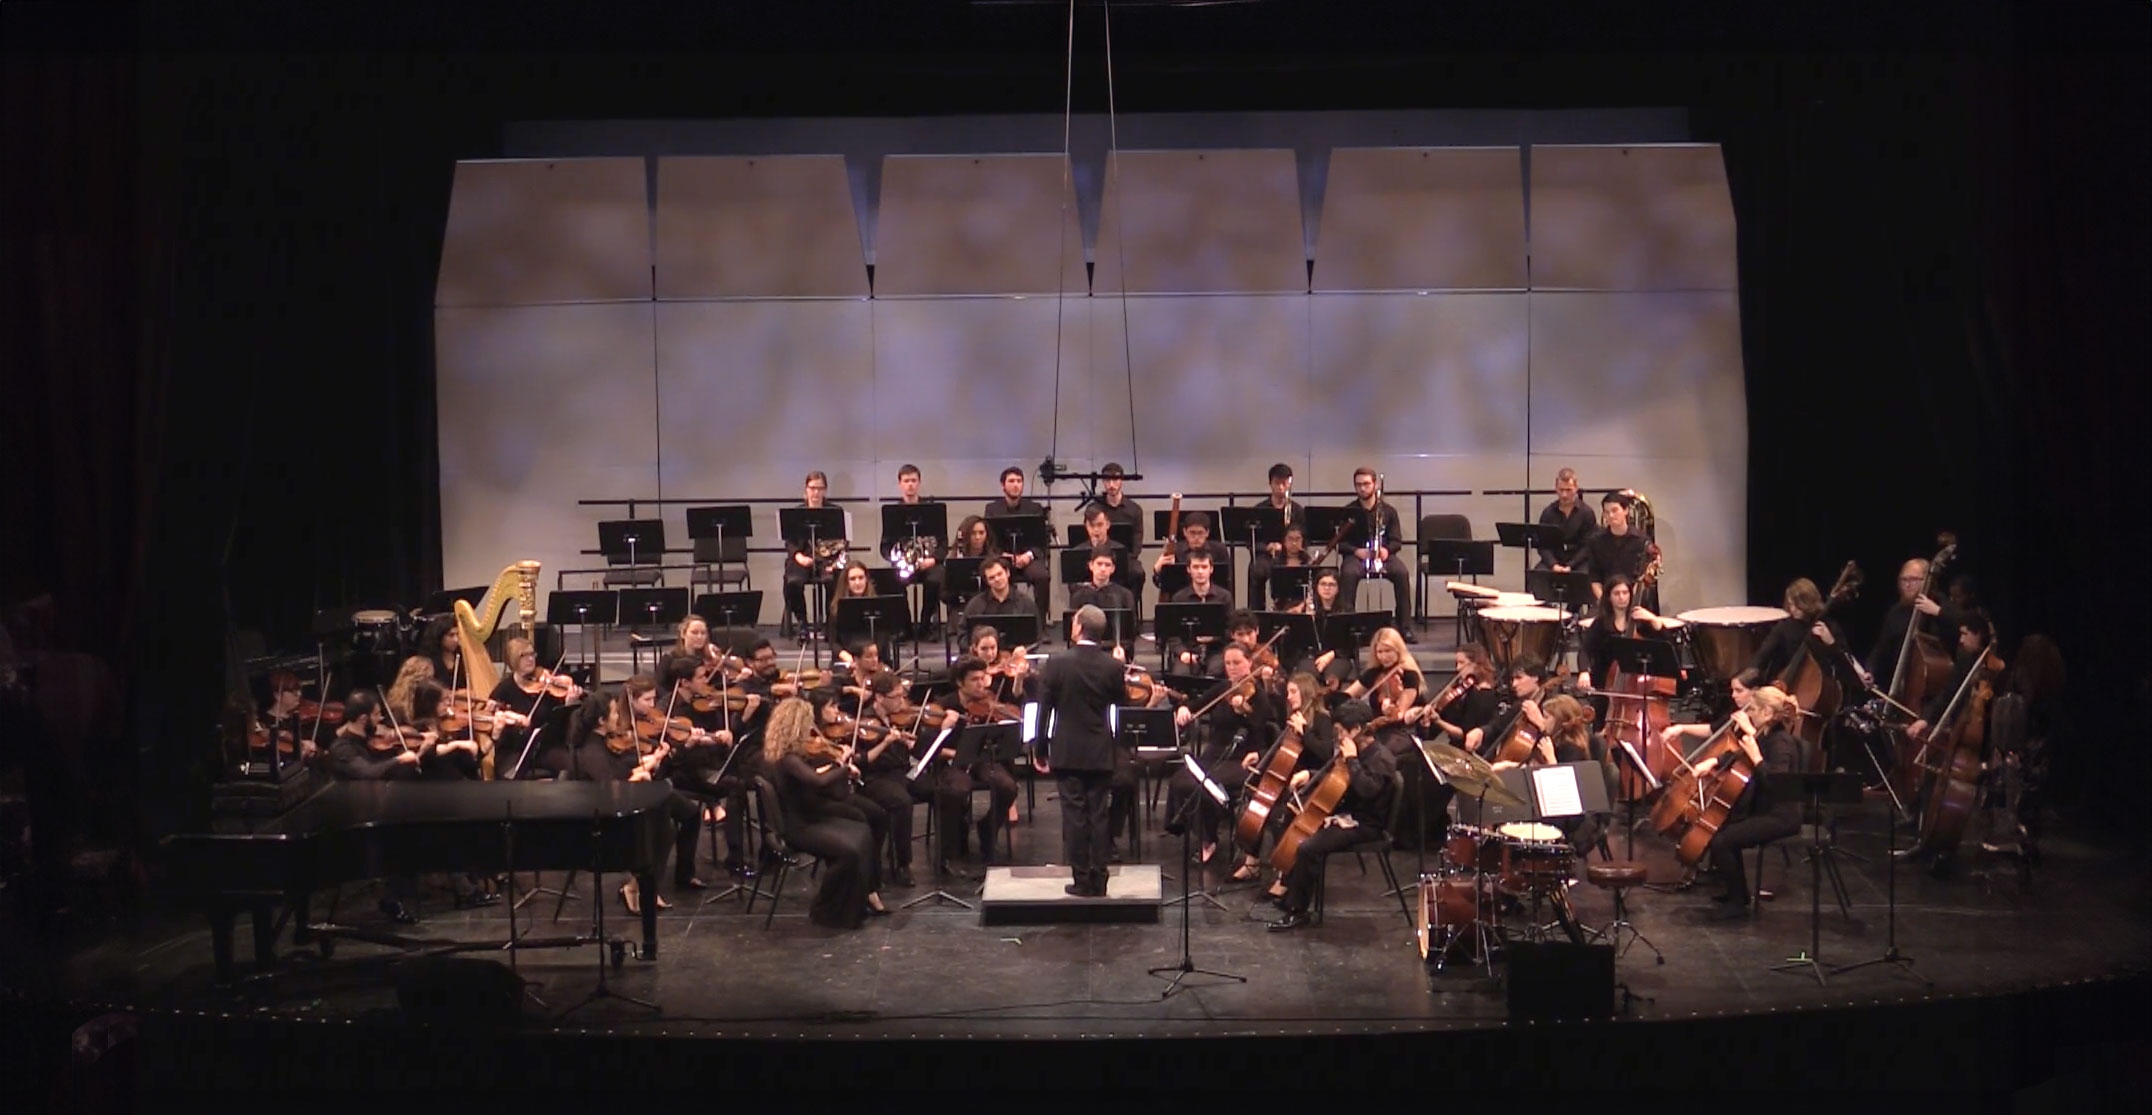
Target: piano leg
{"points": [[647, 883]]}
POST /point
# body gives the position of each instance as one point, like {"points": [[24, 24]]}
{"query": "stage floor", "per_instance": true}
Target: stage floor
{"points": [[936, 971]]}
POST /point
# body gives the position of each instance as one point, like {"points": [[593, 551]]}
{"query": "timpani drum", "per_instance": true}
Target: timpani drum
{"points": [[1516, 632], [1725, 640]]}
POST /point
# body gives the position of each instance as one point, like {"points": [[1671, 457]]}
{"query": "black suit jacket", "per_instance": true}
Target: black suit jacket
{"points": [[1076, 689]]}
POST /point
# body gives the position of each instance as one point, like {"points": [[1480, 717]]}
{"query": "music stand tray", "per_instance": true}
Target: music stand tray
{"points": [[652, 606], [1291, 583], [1020, 534], [878, 618], [728, 609], [731, 520], [1571, 589], [805, 526], [961, 579], [582, 608], [1017, 629], [1529, 536], [1352, 631], [1187, 622], [1458, 557], [1300, 639], [1650, 657], [1323, 524], [1253, 527], [1144, 729], [926, 519], [632, 541]]}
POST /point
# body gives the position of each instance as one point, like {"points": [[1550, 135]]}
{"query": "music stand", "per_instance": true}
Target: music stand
{"points": [[1192, 620], [628, 541], [1073, 564], [1017, 629], [933, 740], [879, 618], [1567, 591], [961, 581], [583, 610], [912, 521], [1020, 534], [1179, 825], [728, 609], [1540, 538], [1290, 584], [1160, 519], [1173, 577], [1348, 632], [735, 520], [806, 528], [444, 602], [1124, 533], [1255, 527], [1646, 657], [1300, 639], [1324, 524], [1141, 730], [1818, 790]]}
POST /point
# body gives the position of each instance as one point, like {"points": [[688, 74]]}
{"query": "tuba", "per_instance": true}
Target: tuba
{"points": [[1641, 521], [475, 626]]}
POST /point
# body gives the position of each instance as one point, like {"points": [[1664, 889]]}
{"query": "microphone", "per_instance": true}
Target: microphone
{"points": [[1049, 471]]}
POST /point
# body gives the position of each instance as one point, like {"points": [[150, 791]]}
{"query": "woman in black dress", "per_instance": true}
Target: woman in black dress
{"points": [[811, 791]]}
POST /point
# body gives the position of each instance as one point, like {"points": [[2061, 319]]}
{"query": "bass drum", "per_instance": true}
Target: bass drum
{"points": [[1447, 917], [1725, 640]]}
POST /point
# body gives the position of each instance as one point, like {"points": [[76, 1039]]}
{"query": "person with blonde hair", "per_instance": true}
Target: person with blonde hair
{"points": [[813, 782], [1765, 733]]}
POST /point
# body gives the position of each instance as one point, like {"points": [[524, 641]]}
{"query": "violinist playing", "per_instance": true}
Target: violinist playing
{"points": [[975, 698], [700, 755], [838, 748], [1390, 685], [810, 787], [279, 725], [888, 737], [1764, 733], [530, 705], [1466, 718], [865, 662], [1358, 818], [1240, 720], [366, 749], [621, 739]]}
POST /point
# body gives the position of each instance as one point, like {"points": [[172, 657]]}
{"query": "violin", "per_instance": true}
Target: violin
{"points": [[621, 741], [806, 679], [327, 712], [258, 739], [387, 738], [546, 682], [987, 710], [654, 728]]}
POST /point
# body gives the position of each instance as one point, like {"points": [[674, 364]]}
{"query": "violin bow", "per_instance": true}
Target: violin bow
{"points": [[391, 714]]}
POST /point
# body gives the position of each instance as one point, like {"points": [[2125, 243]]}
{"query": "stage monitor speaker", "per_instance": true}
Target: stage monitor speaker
{"points": [[1560, 982], [451, 990]]}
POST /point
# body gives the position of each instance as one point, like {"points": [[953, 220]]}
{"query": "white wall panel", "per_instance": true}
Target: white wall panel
{"points": [[776, 226], [522, 232], [1638, 375], [1436, 375], [1632, 218], [977, 224], [1215, 222], [1425, 218], [539, 406]]}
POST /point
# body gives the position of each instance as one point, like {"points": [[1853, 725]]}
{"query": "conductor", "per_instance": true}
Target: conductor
{"points": [[1077, 690]]}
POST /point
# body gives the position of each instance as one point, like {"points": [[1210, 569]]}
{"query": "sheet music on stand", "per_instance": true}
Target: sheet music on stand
{"points": [[1637, 763], [1195, 771], [926, 754], [1554, 790]]}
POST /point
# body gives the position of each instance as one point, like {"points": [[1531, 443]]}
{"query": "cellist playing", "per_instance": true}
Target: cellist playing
{"points": [[1764, 733], [1357, 819]]}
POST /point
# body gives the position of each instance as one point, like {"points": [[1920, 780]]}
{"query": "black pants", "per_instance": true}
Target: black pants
{"points": [[1001, 794], [1258, 581], [1308, 865], [686, 814], [1739, 836], [1122, 794], [1040, 576], [1350, 575], [846, 848], [893, 793], [1084, 835], [949, 789], [1228, 774], [930, 593], [870, 813], [797, 578]]}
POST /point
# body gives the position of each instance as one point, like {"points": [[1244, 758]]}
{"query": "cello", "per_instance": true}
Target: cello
{"points": [[1806, 679], [1953, 759], [1322, 801], [1267, 787]]}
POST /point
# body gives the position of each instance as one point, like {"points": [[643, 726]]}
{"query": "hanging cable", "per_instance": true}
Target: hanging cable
{"points": [[1120, 241], [1061, 257]]}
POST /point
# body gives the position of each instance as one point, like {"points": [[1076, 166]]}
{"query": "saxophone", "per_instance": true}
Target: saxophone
{"points": [[475, 626]]}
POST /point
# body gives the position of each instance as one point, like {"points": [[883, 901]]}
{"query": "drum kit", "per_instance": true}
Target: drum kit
{"points": [[1487, 870]]}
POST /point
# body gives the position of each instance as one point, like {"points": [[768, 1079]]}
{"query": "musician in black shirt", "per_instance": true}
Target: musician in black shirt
{"points": [[1383, 557], [1575, 519], [1120, 510], [1098, 531], [1358, 819], [1241, 720], [1032, 562], [1290, 514], [1465, 720], [1619, 617], [1196, 658], [925, 552], [1615, 551], [1804, 620], [1101, 590], [599, 757], [1759, 816], [360, 753], [1939, 619], [1195, 540], [804, 566], [811, 793], [1001, 597]]}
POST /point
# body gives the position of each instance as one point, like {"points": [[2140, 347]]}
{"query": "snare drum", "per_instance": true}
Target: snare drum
{"points": [[1725, 640], [1535, 856], [1517, 632]]}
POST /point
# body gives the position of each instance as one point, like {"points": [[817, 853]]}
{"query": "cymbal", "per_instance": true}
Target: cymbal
{"points": [[1471, 774]]}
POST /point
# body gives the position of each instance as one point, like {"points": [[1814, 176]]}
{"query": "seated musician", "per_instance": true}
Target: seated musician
{"points": [[925, 553], [1938, 619], [1242, 719], [804, 566], [1102, 590], [1097, 528], [697, 761], [1120, 510], [1286, 593], [886, 765], [1033, 563], [1358, 818], [366, 749], [1196, 540], [1008, 669], [441, 644], [607, 750], [857, 583], [1196, 658], [1352, 570], [1465, 720], [1306, 713], [1573, 516], [1619, 616], [1615, 550], [840, 746], [1683, 738], [1001, 596], [1764, 733], [763, 688], [279, 719], [1391, 684], [1974, 635], [1804, 619], [527, 712], [976, 681], [865, 663], [810, 789], [1282, 504], [1569, 738]]}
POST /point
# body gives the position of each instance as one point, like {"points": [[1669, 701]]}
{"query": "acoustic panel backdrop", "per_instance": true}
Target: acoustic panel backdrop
{"points": [[1425, 218], [736, 386], [534, 231]]}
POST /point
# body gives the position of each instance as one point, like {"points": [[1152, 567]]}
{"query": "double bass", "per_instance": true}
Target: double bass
{"points": [[1952, 757], [1924, 665], [1808, 681]]}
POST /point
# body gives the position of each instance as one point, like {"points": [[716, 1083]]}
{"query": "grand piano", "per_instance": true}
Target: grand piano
{"points": [[367, 830]]}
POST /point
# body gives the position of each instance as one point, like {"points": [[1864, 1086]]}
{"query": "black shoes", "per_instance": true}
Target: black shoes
{"points": [[902, 877], [394, 911], [1731, 910], [474, 900], [1288, 923]]}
